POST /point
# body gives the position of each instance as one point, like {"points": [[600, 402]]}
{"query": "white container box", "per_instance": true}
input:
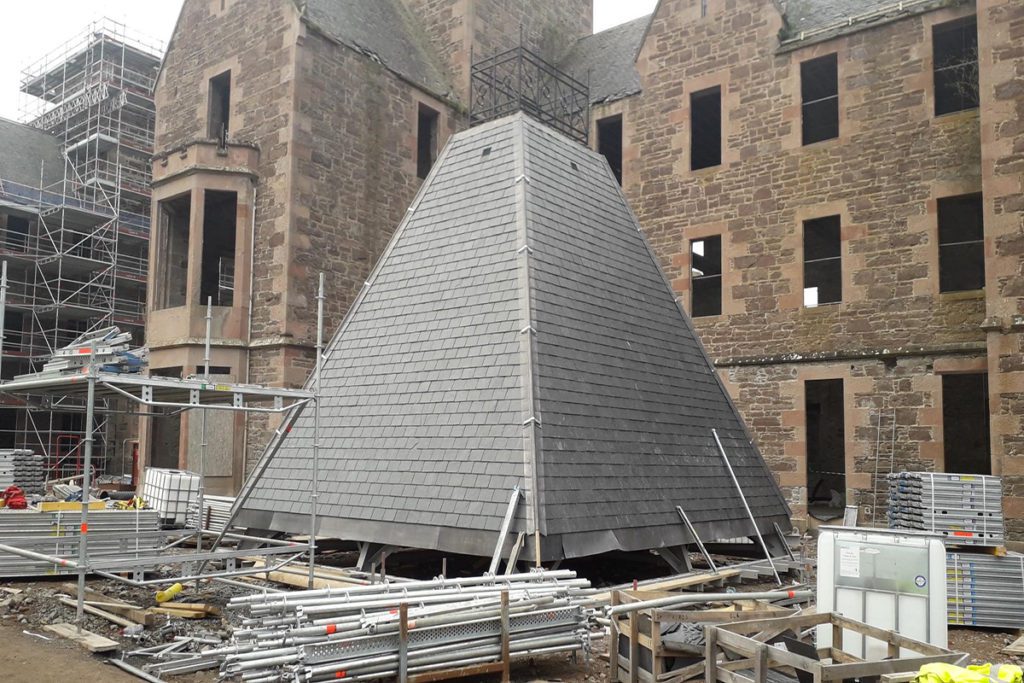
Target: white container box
{"points": [[894, 580], [170, 492]]}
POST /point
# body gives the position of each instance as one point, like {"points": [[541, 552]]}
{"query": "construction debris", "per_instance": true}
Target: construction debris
{"points": [[90, 641]]}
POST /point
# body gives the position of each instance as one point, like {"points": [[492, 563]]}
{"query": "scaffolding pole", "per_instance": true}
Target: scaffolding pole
{"points": [[316, 426]]}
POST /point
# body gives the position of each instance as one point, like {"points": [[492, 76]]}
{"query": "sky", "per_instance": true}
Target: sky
{"points": [[30, 31]]}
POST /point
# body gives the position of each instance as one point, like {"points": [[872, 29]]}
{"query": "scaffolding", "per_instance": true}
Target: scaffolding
{"points": [[79, 259]]}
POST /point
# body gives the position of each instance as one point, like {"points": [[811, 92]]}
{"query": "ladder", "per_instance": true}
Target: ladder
{"points": [[883, 466]]}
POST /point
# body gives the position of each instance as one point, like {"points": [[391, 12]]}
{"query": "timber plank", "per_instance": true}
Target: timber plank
{"points": [[90, 641]]}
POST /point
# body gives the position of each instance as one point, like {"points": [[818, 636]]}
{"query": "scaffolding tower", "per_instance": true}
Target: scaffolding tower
{"points": [[78, 259]]}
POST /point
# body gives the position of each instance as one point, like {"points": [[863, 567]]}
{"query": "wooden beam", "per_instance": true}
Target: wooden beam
{"points": [[90, 641], [120, 621]]}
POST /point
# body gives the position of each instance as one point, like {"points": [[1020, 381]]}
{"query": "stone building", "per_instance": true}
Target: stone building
{"points": [[834, 187], [291, 137]]}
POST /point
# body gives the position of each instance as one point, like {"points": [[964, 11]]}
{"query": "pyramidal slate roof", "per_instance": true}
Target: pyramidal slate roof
{"points": [[517, 331]]}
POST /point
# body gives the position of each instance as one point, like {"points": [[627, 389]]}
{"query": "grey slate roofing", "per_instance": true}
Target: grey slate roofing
{"points": [[813, 20], [608, 60], [385, 31], [25, 151], [430, 384]]}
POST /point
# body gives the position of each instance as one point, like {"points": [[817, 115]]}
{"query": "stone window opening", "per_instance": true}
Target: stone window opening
{"points": [[823, 261], [220, 107], [426, 140], [706, 276], [826, 448], [609, 143], [703, 8], [819, 94], [965, 423], [706, 128], [961, 243], [220, 211], [171, 282], [16, 236], [955, 57]]}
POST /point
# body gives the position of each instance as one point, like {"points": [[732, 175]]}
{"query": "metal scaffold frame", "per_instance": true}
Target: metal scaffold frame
{"points": [[155, 397], [82, 263]]}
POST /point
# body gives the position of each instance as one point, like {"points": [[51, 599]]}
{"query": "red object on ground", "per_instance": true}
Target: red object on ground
{"points": [[14, 498]]}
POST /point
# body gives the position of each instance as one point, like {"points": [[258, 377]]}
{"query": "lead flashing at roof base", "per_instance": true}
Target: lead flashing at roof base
{"points": [[476, 361]]}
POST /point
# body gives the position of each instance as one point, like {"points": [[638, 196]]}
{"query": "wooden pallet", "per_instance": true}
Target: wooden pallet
{"points": [[743, 652], [636, 651]]}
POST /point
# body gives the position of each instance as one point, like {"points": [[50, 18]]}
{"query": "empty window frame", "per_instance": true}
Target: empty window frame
{"points": [[961, 243], [826, 447], [955, 57], [706, 128], [220, 106], [220, 210], [426, 140], [172, 252], [965, 424], [823, 261], [16, 236], [609, 143], [819, 95], [706, 276]]}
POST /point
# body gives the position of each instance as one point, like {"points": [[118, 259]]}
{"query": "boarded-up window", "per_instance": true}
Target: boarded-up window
{"points": [[823, 261], [706, 276], [706, 128], [819, 93], [955, 53], [961, 243]]}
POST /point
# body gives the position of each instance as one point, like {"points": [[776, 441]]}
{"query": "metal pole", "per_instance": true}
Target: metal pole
{"points": [[703, 598], [83, 553], [735, 481], [314, 501], [3, 311], [201, 513]]}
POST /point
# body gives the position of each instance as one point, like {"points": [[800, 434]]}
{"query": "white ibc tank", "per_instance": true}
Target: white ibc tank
{"points": [[894, 580], [170, 492]]}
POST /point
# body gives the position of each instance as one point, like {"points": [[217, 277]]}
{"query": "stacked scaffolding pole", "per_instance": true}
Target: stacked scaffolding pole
{"points": [[387, 630]]}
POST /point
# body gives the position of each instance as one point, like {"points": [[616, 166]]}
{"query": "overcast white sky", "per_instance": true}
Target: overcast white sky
{"points": [[31, 30]]}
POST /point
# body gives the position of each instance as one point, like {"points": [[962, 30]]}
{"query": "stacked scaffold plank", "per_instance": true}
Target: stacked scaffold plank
{"points": [[965, 509], [985, 590], [107, 348], [354, 634], [22, 468], [217, 511], [112, 534]]}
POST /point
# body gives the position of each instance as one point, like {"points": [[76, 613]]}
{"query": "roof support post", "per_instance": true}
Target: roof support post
{"points": [[743, 498], [513, 503]]}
